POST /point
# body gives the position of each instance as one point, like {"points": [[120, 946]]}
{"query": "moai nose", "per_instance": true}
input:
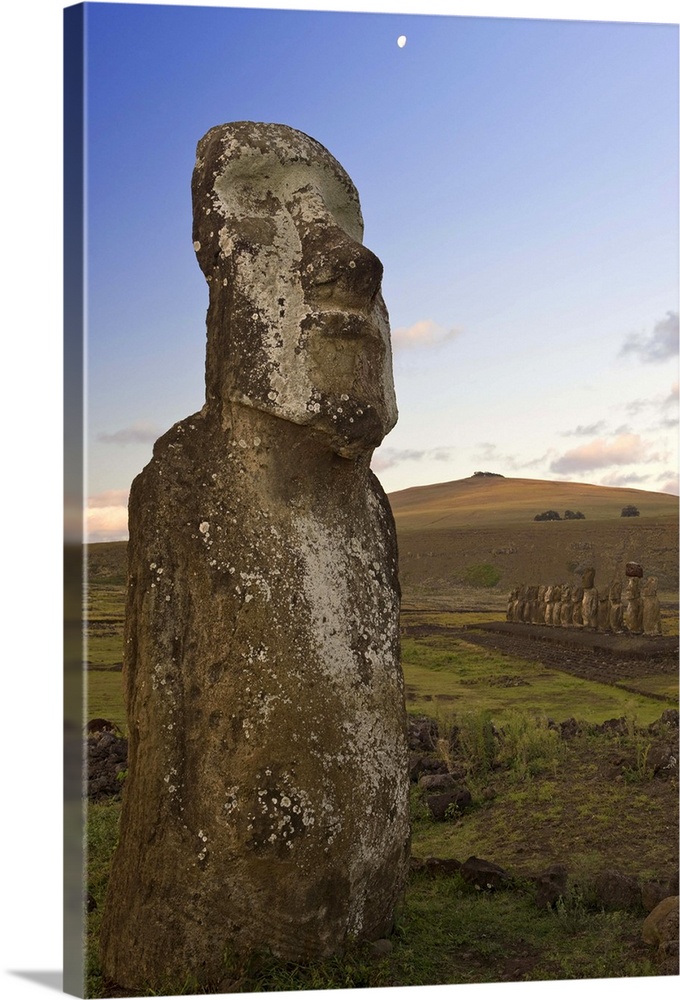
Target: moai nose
{"points": [[339, 272]]}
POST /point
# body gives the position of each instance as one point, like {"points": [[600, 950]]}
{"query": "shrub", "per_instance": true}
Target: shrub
{"points": [[482, 575], [630, 511], [528, 746], [475, 735], [548, 515], [574, 515]]}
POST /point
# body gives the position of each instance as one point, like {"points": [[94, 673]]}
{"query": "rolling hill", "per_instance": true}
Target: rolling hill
{"points": [[446, 531]]}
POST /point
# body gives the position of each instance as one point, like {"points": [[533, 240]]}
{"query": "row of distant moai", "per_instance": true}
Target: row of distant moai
{"points": [[634, 609]]}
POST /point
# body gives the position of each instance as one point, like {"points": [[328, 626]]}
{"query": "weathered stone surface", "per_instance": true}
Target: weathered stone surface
{"points": [[440, 782], [651, 609], [106, 761], [420, 764], [603, 609], [440, 866], [443, 804], [590, 607], [551, 885], [485, 874], [567, 607], [616, 891], [632, 605], [422, 733], [267, 798], [660, 927], [634, 569], [654, 891], [615, 607]]}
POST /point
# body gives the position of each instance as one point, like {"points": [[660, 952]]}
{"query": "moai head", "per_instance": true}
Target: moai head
{"points": [[297, 327], [615, 591], [649, 588], [588, 578]]}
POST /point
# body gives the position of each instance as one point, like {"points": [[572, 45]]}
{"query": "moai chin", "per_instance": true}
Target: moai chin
{"points": [[266, 803]]}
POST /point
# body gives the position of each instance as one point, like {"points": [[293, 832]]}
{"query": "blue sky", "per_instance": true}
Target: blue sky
{"points": [[518, 179]]}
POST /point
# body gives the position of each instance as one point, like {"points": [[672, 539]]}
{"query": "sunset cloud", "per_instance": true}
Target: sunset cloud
{"points": [[600, 454], [107, 516], [424, 333], [141, 432], [660, 345]]}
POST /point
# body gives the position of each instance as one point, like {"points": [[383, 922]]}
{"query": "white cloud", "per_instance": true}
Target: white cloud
{"points": [[109, 498], [623, 479], [424, 333], [600, 454], [585, 430], [660, 345], [387, 458], [141, 432]]}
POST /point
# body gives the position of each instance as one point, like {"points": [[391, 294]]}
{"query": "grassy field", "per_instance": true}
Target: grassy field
{"points": [[590, 803]]}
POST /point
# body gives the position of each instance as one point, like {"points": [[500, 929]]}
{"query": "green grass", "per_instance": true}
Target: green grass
{"points": [[447, 932], [536, 800], [444, 674], [104, 693]]}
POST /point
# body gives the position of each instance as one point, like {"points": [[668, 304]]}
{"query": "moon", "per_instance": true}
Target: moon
{"points": [[401, 41]]}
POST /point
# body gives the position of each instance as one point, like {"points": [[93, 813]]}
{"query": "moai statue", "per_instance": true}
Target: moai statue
{"points": [[651, 609], [538, 606], [567, 609], [603, 609], [532, 604], [577, 606], [525, 603], [266, 803], [615, 607], [632, 606], [557, 605], [512, 604], [549, 603], [589, 604]]}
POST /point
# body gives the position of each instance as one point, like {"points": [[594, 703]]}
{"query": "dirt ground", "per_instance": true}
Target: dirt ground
{"points": [[591, 655]]}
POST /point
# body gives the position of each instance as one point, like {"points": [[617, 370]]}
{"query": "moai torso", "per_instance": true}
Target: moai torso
{"points": [[603, 609], [651, 609], [615, 607], [632, 606]]}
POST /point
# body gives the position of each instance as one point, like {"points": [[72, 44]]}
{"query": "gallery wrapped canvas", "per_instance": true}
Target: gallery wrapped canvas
{"points": [[343, 711]]}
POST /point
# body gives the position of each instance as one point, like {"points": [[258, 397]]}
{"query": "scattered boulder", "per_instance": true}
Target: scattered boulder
{"points": [[485, 875], [656, 890], [662, 760], [443, 804], [441, 782], [101, 726], [569, 729], [441, 866], [616, 891], [106, 760], [380, 948], [425, 764], [422, 734], [660, 928], [551, 885]]}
